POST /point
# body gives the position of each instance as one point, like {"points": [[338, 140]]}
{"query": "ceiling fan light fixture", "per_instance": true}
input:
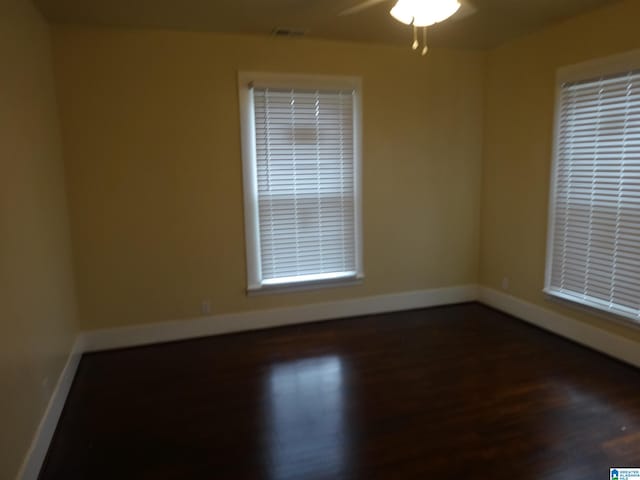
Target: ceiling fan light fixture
{"points": [[424, 13]]}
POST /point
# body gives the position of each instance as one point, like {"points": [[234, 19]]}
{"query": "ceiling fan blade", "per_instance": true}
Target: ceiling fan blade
{"points": [[360, 7], [466, 10]]}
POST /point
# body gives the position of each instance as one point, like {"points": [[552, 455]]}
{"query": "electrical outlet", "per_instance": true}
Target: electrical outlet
{"points": [[505, 283], [205, 307]]}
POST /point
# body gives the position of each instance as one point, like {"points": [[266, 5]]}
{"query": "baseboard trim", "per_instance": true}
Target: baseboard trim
{"points": [[139, 335], [595, 338], [34, 459]]}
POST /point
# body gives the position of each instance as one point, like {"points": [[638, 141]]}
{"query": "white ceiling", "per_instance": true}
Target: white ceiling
{"points": [[495, 21]]}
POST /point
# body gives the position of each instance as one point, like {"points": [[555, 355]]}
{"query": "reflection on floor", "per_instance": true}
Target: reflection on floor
{"points": [[452, 392], [306, 418]]}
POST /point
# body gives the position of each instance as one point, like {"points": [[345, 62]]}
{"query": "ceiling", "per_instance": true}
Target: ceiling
{"points": [[494, 22]]}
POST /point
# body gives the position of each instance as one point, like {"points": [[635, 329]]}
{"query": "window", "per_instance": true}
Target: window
{"points": [[301, 162], [594, 232]]}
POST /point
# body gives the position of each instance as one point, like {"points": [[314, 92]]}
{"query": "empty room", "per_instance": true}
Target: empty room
{"points": [[319, 239]]}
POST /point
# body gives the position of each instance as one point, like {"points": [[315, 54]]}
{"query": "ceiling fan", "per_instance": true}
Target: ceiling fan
{"points": [[419, 14]]}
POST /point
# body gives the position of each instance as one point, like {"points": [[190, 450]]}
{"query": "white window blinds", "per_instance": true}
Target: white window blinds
{"points": [[595, 228], [304, 154]]}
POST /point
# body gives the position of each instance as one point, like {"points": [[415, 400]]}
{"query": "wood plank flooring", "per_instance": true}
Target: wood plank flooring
{"points": [[453, 392]]}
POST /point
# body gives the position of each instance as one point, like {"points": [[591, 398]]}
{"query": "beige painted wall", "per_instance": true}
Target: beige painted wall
{"points": [[152, 149], [36, 284], [518, 143]]}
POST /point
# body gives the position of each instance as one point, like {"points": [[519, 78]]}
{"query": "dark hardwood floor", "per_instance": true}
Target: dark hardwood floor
{"points": [[455, 392]]}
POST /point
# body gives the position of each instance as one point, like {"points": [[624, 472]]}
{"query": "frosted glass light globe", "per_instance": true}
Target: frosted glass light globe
{"points": [[423, 13]]}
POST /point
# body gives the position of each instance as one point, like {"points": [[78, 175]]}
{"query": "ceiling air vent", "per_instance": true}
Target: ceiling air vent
{"points": [[288, 32]]}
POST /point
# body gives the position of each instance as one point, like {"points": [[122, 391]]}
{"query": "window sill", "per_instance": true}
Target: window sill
{"points": [[591, 309], [305, 286]]}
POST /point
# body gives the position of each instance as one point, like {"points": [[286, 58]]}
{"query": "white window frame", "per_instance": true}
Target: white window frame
{"points": [[255, 284], [611, 65]]}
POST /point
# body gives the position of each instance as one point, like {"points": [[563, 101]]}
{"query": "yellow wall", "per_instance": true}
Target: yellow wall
{"points": [[36, 285], [518, 143], [152, 149]]}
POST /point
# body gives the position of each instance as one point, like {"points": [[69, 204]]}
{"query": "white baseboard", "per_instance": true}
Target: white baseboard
{"points": [[107, 339], [605, 342], [40, 444]]}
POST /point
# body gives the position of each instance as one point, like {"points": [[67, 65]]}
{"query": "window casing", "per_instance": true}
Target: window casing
{"points": [[593, 246], [302, 193]]}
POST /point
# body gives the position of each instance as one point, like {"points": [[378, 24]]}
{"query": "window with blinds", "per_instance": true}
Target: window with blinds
{"points": [[594, 237], [304, 182]]}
